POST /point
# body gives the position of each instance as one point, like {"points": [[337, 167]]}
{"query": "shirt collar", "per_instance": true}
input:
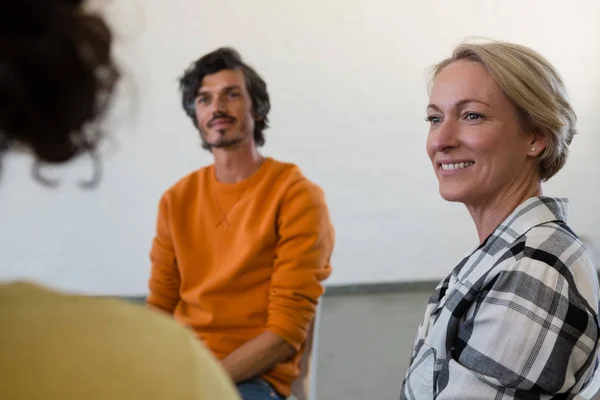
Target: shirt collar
{"points": [[532, 212]]}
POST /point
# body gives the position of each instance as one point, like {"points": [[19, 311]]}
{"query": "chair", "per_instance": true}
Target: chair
{"points": [[305, 386]]}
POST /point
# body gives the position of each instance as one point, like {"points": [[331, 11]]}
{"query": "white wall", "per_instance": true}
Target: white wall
{"points": [[347, 80]]}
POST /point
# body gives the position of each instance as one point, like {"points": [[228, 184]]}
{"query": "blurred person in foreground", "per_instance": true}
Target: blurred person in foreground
{"points": [[56, 81], [517, 318]]}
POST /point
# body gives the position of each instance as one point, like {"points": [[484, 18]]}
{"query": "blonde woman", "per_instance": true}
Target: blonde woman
{"points": [[517, 318]]}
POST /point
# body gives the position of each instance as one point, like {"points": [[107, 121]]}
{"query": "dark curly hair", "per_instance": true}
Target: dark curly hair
{"points": [[57, 78], [218, 60]]}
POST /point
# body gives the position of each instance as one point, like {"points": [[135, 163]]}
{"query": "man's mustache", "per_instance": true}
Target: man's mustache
{"points": [[221, 116]]}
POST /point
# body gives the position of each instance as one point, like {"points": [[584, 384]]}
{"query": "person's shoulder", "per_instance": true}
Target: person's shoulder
{"points": [[557, 240], [126, 342], [189, 183], [293, 179], [556, 246], [68, 307]]}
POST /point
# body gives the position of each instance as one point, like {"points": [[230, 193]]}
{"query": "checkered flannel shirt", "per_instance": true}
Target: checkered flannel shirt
{"points": [[516, 319]]}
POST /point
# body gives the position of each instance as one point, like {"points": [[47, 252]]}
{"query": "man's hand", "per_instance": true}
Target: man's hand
{"points": [[257, 356]]}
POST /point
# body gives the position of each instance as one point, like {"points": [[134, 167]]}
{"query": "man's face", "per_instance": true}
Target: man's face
{"points": [[224, 109]]}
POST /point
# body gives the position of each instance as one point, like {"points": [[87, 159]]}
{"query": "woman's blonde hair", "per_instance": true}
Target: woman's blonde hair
{"points": [[536, 89]]}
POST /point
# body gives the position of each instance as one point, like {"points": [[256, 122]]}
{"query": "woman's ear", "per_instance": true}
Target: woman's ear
{"points": [[537, 144]]}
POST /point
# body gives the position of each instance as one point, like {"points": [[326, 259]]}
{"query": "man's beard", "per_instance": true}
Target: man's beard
{"points": [[221, 143]]}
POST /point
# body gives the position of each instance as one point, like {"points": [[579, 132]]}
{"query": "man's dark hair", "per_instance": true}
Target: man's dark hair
{"points": [[221, 59], [56, 78]]}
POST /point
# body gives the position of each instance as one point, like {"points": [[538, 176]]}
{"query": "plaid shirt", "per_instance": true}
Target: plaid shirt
{"points": [[516, 319]]}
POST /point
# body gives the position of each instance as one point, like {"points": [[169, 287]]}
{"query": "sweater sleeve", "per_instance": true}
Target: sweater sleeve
{"points": [[164, 277], [302, 262]]}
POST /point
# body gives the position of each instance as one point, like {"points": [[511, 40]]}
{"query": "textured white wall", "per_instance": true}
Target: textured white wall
{"points": [[347, 80]]}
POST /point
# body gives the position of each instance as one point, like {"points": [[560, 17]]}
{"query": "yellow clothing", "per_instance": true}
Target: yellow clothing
{"points": [[55, 346]]}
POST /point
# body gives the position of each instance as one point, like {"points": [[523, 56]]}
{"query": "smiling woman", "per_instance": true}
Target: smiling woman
{"points": [[474, 123], [518, 317]]}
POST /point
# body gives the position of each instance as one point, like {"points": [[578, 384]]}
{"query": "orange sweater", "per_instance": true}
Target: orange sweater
{"points": [[233, 260]]}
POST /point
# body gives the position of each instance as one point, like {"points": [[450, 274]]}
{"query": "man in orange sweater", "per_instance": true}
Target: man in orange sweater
{"points": [[242, 246]]}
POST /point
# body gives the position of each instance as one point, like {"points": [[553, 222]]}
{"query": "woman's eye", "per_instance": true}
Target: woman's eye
{"points": [[473, 116], [433, 119]]}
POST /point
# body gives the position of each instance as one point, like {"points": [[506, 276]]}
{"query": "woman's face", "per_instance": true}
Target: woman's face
{"points": [[478, 148]]}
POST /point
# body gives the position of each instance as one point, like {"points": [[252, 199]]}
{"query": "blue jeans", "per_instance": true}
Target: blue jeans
{"points": [[258, 389]]}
